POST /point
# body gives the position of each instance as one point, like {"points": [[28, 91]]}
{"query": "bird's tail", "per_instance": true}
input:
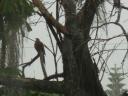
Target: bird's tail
{"points": [[42, 60]]}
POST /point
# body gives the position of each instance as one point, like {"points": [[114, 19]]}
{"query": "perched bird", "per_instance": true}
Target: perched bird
{"points": [[39, 46]]}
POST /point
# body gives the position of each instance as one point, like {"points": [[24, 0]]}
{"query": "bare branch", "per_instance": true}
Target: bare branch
{"points": [[118, 24], [55, 36], [123, 7], [48, 17], [30, 62], [54, 76], [108, 39]]}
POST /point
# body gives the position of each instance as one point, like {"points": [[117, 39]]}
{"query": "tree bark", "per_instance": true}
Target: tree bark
{"points": [[3, 53], [80, 77], [32, 84]]}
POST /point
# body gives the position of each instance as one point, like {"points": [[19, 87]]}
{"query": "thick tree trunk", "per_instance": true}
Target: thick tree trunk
{"points": [[80, 77], [12, 50]]}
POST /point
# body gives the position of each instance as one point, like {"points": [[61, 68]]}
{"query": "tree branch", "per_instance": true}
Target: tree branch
{"points": [[118, 24], [55, 76], [30, 62], [24, 65], [55, 36], [48, 17], [123, 7], [33, 84]]}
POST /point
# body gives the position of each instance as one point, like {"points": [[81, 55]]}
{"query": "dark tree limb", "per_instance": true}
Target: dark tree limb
{"points": [[54, 76], [123, 7], [24, 65], [30, 62], [33, 84], [55, 36], [48, 17]]}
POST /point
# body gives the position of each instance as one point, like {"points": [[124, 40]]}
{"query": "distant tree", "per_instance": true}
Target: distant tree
{"points": [[115, 87]]}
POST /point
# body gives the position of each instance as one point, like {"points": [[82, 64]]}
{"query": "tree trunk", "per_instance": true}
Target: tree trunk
{"points": [[80, 77], [3, 44], [3, 54], [12, 50]]}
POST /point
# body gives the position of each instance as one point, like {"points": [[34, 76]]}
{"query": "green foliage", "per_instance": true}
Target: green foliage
{"points": [[19, 7], [9, 72], [14, 13]]}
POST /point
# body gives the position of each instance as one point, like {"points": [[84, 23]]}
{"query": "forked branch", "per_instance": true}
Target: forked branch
{"points": [[48, 17]]}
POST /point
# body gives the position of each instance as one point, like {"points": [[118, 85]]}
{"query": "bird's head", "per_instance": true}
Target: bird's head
{"points": [[37, 39]]}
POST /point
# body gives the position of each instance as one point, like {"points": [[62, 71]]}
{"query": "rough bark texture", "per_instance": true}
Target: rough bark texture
{"points": [[33, 84], [12, 50], [3, 54], [80, 77], [3, 44]]}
